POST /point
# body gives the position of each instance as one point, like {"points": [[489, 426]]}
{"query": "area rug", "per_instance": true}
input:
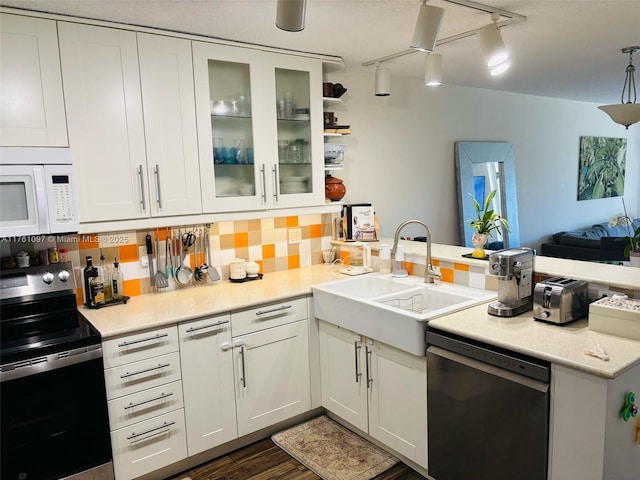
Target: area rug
{"points": [[332, 452]]}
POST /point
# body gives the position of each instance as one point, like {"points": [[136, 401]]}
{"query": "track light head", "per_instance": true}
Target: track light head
{"points": [[433, 70], [492, 46], [383, 82], [290, 15], [428, 24]]}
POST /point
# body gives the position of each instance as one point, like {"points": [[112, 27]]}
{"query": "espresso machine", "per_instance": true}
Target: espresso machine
{"points": [[514, 269]]}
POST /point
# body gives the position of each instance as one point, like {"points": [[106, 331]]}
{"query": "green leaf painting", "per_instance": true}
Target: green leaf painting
{"points": [[602, 166]]}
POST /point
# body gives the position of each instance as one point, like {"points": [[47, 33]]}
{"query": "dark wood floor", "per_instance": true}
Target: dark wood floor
{"points": [[264, 460]]}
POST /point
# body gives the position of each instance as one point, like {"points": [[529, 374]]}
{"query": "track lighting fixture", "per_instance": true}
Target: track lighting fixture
{"points": [[626, 113], [290, 15], [491, 44], [383, 81], [428, 24], [433, 70]]}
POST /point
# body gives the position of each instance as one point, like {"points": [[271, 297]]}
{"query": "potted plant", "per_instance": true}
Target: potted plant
{"points": [[487, 221], [632, 248]]}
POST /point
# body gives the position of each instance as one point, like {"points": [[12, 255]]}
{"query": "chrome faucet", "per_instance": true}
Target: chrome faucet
{"points": [[430, 274]]}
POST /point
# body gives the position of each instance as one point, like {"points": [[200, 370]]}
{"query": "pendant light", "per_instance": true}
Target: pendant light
{"points": [[383, 81], [626, 113], [491, 44], [433, 70], [290, 15], [428, 24]]}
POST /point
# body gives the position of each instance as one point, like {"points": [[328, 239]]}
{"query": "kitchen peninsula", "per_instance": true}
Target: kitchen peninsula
{"points": [[585, 389]]}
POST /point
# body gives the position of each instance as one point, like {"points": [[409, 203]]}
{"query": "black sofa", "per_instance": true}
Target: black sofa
{"points": [[598, 243]]}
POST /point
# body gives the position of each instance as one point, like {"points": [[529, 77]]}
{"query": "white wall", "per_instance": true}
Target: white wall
{"points": [[400, 154]]}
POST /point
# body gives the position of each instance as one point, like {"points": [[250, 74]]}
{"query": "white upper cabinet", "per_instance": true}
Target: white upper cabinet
{"points": [[31, 100], [259, 128], [106, 131], [132, 162], [166, 75]]}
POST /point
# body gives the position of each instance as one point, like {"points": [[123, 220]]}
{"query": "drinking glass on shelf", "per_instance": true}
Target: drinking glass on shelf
{"points": [[217, 150], [283, 150]]}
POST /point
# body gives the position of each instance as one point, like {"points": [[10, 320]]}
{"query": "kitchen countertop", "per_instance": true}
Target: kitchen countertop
{"points": [[558, 344], [561, 344], [612, 275], [167, 308]]}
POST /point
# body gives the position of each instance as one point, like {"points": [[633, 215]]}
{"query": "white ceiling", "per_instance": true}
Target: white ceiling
{"points": [[565, 49]]}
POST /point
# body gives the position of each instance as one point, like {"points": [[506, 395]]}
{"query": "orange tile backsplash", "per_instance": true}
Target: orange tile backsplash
{"points": [[262, 240]]}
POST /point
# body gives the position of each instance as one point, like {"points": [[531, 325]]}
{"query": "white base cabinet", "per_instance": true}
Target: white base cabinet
{"points": [[272, 376], [376, 388], [31, 102], [207, 379], [145, 401]]}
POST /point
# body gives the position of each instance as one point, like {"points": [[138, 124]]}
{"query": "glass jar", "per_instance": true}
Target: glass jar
{"points": [[53, 255]]}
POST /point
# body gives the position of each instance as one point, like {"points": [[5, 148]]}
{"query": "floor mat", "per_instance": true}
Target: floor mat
{"points": [[332, 451]]}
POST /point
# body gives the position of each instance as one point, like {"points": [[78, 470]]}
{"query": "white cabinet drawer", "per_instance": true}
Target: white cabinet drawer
{"points": [[118, 351], [137, 376], [144, 405], [148, 446], [268, 315]]}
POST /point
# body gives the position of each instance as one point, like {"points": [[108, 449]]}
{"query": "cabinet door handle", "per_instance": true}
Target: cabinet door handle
{"points": [[367, 360], [141, 180], [272, 310], [135, 435], [148, 339], [357, 349], [264, 184], [244, 375], [156, 172], [146, 370], [217, 324], [162, 396], [274, 170]]}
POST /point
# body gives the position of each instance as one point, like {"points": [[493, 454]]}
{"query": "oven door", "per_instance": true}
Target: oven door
{"points": [[54, 423], [23, 201]]}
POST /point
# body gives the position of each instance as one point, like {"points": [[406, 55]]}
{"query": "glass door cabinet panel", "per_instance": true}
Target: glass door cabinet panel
{"points": [[298, 112], [258, 132]]}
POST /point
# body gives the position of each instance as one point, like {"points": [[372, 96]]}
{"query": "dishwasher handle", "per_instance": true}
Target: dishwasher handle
{"points": [[490, 369]]}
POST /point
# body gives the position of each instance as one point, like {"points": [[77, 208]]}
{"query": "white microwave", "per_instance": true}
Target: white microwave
{"points": [[37, 192]]}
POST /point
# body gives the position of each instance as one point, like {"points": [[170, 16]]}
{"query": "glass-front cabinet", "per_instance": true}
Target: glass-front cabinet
{"points": [[259, 128]]}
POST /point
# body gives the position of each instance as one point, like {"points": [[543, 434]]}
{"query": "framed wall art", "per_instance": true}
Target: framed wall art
{"points": [[602, 166]]}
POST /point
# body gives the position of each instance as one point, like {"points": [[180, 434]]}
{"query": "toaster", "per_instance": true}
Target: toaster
{"points": [[560, 300]]}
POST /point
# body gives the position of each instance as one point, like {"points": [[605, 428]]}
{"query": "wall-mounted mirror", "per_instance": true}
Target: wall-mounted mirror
{"points": [[482, 167]]}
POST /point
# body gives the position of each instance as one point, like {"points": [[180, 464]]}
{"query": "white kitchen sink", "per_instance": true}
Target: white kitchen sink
{"points": [[392, 310]]}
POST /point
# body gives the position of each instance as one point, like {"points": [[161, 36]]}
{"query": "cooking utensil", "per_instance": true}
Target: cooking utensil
{"points": [[168, 264], [184, 274], [197, 273], [160, 277], [214, 275], [148, 241]]}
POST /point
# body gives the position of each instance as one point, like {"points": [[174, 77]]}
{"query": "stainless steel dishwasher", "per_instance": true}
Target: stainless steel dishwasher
{"points": [[487, 411]]}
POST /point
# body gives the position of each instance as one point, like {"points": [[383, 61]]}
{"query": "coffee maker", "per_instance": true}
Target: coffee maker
{"points": [[514, 269]]}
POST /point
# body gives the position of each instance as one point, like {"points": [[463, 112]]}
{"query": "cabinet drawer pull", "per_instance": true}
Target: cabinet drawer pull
{"points": [[148, 339], [264, 184], [217, 324], [272, 310], [274, 170], [244, 374], [146, 370], [161, 397], [134, 435], [141, 180], [156, 172], [357, 349], [367, 360]]}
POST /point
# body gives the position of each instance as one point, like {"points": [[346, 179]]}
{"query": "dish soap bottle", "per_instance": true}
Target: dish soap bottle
{"points": [[384, 257], [398, 263]]}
